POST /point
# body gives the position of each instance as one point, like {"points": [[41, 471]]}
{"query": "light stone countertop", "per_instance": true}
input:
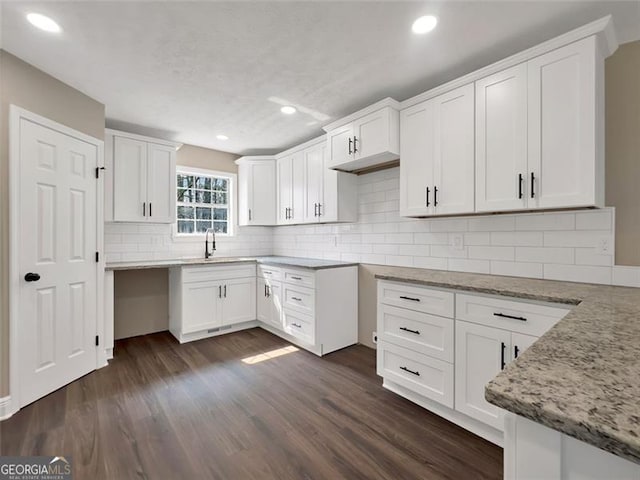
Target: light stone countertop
{"points": [[308, 263], [582, 377]]}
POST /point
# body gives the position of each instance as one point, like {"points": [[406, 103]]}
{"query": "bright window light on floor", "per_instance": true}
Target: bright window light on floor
{"points": [[269, 355]]}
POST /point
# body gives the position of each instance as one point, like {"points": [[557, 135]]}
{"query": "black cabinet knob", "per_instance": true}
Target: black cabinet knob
{"points": [[32, 277]]}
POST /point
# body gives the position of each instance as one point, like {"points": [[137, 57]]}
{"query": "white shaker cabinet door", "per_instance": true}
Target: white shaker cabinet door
{"points": [[454, 169], [238, 300], [565, 90], [161, 184], [129, 180], [481, 352], [501, 141]]}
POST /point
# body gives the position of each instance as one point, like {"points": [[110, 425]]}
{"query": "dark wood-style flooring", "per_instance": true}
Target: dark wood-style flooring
{"points": [[161, 410]]}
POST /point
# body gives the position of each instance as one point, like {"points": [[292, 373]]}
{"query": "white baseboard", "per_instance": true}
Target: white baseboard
{"points": [[6, 409]]}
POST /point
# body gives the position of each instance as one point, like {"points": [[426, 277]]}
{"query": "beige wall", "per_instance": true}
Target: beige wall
{"points": [[622, 83], [199, 157], [26, 86]]}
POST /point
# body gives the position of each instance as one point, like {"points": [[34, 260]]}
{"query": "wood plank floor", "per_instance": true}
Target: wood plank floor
{"points": [[206, 409]]}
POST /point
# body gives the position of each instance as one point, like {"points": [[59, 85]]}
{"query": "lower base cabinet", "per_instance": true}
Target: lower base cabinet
{"points": [[416, 344], [269, 302]]}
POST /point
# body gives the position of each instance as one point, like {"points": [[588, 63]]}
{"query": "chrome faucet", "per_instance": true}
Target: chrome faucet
{"points": [[208, 253]]}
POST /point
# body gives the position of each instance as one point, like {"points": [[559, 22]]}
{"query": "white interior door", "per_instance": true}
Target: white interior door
{"points": [[161, 184], [57, 261]]}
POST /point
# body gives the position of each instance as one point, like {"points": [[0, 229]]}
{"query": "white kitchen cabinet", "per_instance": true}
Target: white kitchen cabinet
{"points": [[256, 191], [140, 183], [501, 141], [365, 139], [313, 165], [205, 300], [269, 302], [566, 127], [437, 165], [290, 188], [481, 352]]}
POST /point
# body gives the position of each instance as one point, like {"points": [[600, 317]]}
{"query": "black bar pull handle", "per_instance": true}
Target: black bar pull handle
{"points": [[150, 214], [319, 209], [435, 196], [219, 291], [144, 209], [350, 152], [512, 317], [409, 298], [355, 148], [520, 179], [516, 351], [502, 363], [417, 332], [225, 291], [428, 191], [533, 179], [412, 372]]}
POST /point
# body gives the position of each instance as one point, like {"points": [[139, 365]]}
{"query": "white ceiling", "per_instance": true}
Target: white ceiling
{"points": [[188, 71]]}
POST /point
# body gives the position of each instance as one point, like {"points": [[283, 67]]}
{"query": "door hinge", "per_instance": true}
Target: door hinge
{"points": [[97, 340], [97, 257], [98, 171]]}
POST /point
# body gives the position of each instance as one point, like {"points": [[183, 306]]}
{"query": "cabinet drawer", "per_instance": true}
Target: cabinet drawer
{"points": [[513, 315], [299, 325], [428, 300], [215, 272], [300, 299], [298, 277], [422, 332], [427, 376], [269, 273]]}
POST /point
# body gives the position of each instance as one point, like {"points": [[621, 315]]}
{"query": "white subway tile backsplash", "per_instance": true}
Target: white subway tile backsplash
{"points": [[558, 245]]}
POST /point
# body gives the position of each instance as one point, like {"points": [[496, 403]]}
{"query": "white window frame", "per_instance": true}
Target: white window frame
{"points": [[231, 196]]}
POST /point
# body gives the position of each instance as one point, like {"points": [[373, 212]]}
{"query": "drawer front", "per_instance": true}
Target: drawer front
{"points": [[213, 272], [513, 315], [300, 299], [424, 333], [299, 325], [428, 300], [427, 376], [270, 273], [300, 277]]}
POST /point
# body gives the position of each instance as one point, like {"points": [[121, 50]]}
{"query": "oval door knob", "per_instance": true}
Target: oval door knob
{"points": [[32, 277]]}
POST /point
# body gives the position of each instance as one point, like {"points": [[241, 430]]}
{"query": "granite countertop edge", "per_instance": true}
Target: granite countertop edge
{"points": [[524, 387]]}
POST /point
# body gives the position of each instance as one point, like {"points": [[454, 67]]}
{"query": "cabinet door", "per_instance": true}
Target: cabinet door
{"points": [[339, 148], [454, 168], [371, 134], [313, 165], [275, 301], [519, 343], [263, 304], [480, 352], [501, 140], [296, 214], [129, 180], [269, 304], [161, 184], [562, 126], [201, 306], [245, 176], [284, 188], [238, 300], [262, 193], [416, 163]]}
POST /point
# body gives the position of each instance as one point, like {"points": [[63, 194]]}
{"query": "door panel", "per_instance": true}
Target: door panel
{"points": [[129, 180], [239, 301], [313, 161], [161, 186], [417, 130], [262, 181], [285, 188], [58, 241], [454, 168], [501, 140], [562, 126], [478, 360], [201, 306], [338, 145], [371, 134]]}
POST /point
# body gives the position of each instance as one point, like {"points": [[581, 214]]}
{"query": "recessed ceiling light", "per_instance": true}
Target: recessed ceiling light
{"points": [[288, 110], [222, 137], [424, 24], [43, 23]]}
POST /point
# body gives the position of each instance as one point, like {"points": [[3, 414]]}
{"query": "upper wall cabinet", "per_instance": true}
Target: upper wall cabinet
{"points": [[309, 192], [437, 165], [538, 132], [140, 180], [256, 190], [365, 139]]}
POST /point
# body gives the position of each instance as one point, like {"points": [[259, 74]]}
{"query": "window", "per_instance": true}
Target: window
{"points": [[204, 200]]}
